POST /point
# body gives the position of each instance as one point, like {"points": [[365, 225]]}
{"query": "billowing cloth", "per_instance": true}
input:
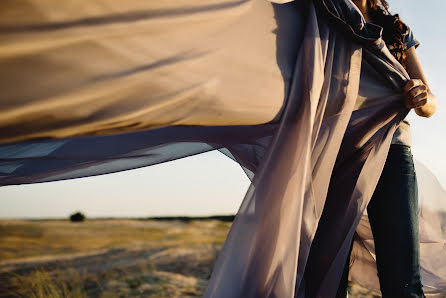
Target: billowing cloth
{"points": [[97, 87], [432, 206]]}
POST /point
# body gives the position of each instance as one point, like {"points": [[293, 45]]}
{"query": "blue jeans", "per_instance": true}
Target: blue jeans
{"points": [[393, 216]]}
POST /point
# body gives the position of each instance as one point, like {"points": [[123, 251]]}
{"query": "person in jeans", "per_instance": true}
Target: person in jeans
{"points": [[393, 208]]}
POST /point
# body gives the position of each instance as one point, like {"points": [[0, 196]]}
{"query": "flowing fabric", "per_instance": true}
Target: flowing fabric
{"points": [[304, 96], [432, 219]]}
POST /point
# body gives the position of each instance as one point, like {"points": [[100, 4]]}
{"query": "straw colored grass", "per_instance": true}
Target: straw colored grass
{"points": [[36, 238], [57, 284], [111, 258]]}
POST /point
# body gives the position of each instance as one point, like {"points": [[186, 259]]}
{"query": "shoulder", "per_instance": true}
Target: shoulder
{"points": [[409, 38]]}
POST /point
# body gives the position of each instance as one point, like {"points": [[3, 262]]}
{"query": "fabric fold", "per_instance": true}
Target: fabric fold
{"points": [[103, 87]]}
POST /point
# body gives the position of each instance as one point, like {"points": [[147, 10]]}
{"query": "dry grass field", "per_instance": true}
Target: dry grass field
{"points": [[110, 258]]}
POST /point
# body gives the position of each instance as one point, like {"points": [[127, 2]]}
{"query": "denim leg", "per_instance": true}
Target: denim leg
{"points": [[393, 216]]}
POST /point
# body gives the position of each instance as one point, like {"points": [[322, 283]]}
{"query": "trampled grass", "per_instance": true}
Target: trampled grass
{"points": [[111, 258], [41, 283], [37, 238], [108, 258]]}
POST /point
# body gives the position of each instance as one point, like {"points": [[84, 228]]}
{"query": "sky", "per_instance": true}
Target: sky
{"points": [[211, 183]]}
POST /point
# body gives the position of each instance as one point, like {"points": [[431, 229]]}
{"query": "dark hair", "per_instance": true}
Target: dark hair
{"points": [[394, 30]]}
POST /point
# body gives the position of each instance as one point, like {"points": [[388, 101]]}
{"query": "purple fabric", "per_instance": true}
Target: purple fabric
{"points": [[274, 87]]}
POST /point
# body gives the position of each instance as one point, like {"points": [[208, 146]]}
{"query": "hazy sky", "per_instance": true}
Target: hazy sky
{"points": [[213, 184]]}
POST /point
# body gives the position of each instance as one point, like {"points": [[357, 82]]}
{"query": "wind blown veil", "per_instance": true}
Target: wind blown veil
{"points": [[100, 87]]}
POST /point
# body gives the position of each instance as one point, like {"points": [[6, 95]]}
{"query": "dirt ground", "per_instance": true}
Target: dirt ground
{"points": [[111, 258]]}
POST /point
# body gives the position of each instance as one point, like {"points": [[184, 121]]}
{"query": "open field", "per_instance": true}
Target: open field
{"points": [[110, 258]]}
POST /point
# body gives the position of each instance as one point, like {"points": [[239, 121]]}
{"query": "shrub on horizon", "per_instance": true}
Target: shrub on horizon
{"points": [[77, 217]]}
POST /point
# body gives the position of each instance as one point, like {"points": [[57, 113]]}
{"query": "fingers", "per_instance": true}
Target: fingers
{"points": [[420, 103], [417, 101], [415, 93], [412, 84]]}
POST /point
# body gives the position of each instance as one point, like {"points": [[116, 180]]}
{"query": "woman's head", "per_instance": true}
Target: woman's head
{"points": [[394, 30]]}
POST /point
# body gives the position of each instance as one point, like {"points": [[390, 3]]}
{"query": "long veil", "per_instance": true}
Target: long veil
{"points": [[99, 87]]}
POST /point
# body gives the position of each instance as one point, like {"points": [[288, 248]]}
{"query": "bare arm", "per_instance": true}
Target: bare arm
{"points": [[417, 93]]}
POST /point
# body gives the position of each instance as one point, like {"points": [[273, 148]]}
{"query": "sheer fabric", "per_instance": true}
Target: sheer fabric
{"points": [[100, 87], [432, 230]]}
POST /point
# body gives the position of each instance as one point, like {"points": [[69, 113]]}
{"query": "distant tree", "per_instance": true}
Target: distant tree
{"points": [[77, 217]]}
